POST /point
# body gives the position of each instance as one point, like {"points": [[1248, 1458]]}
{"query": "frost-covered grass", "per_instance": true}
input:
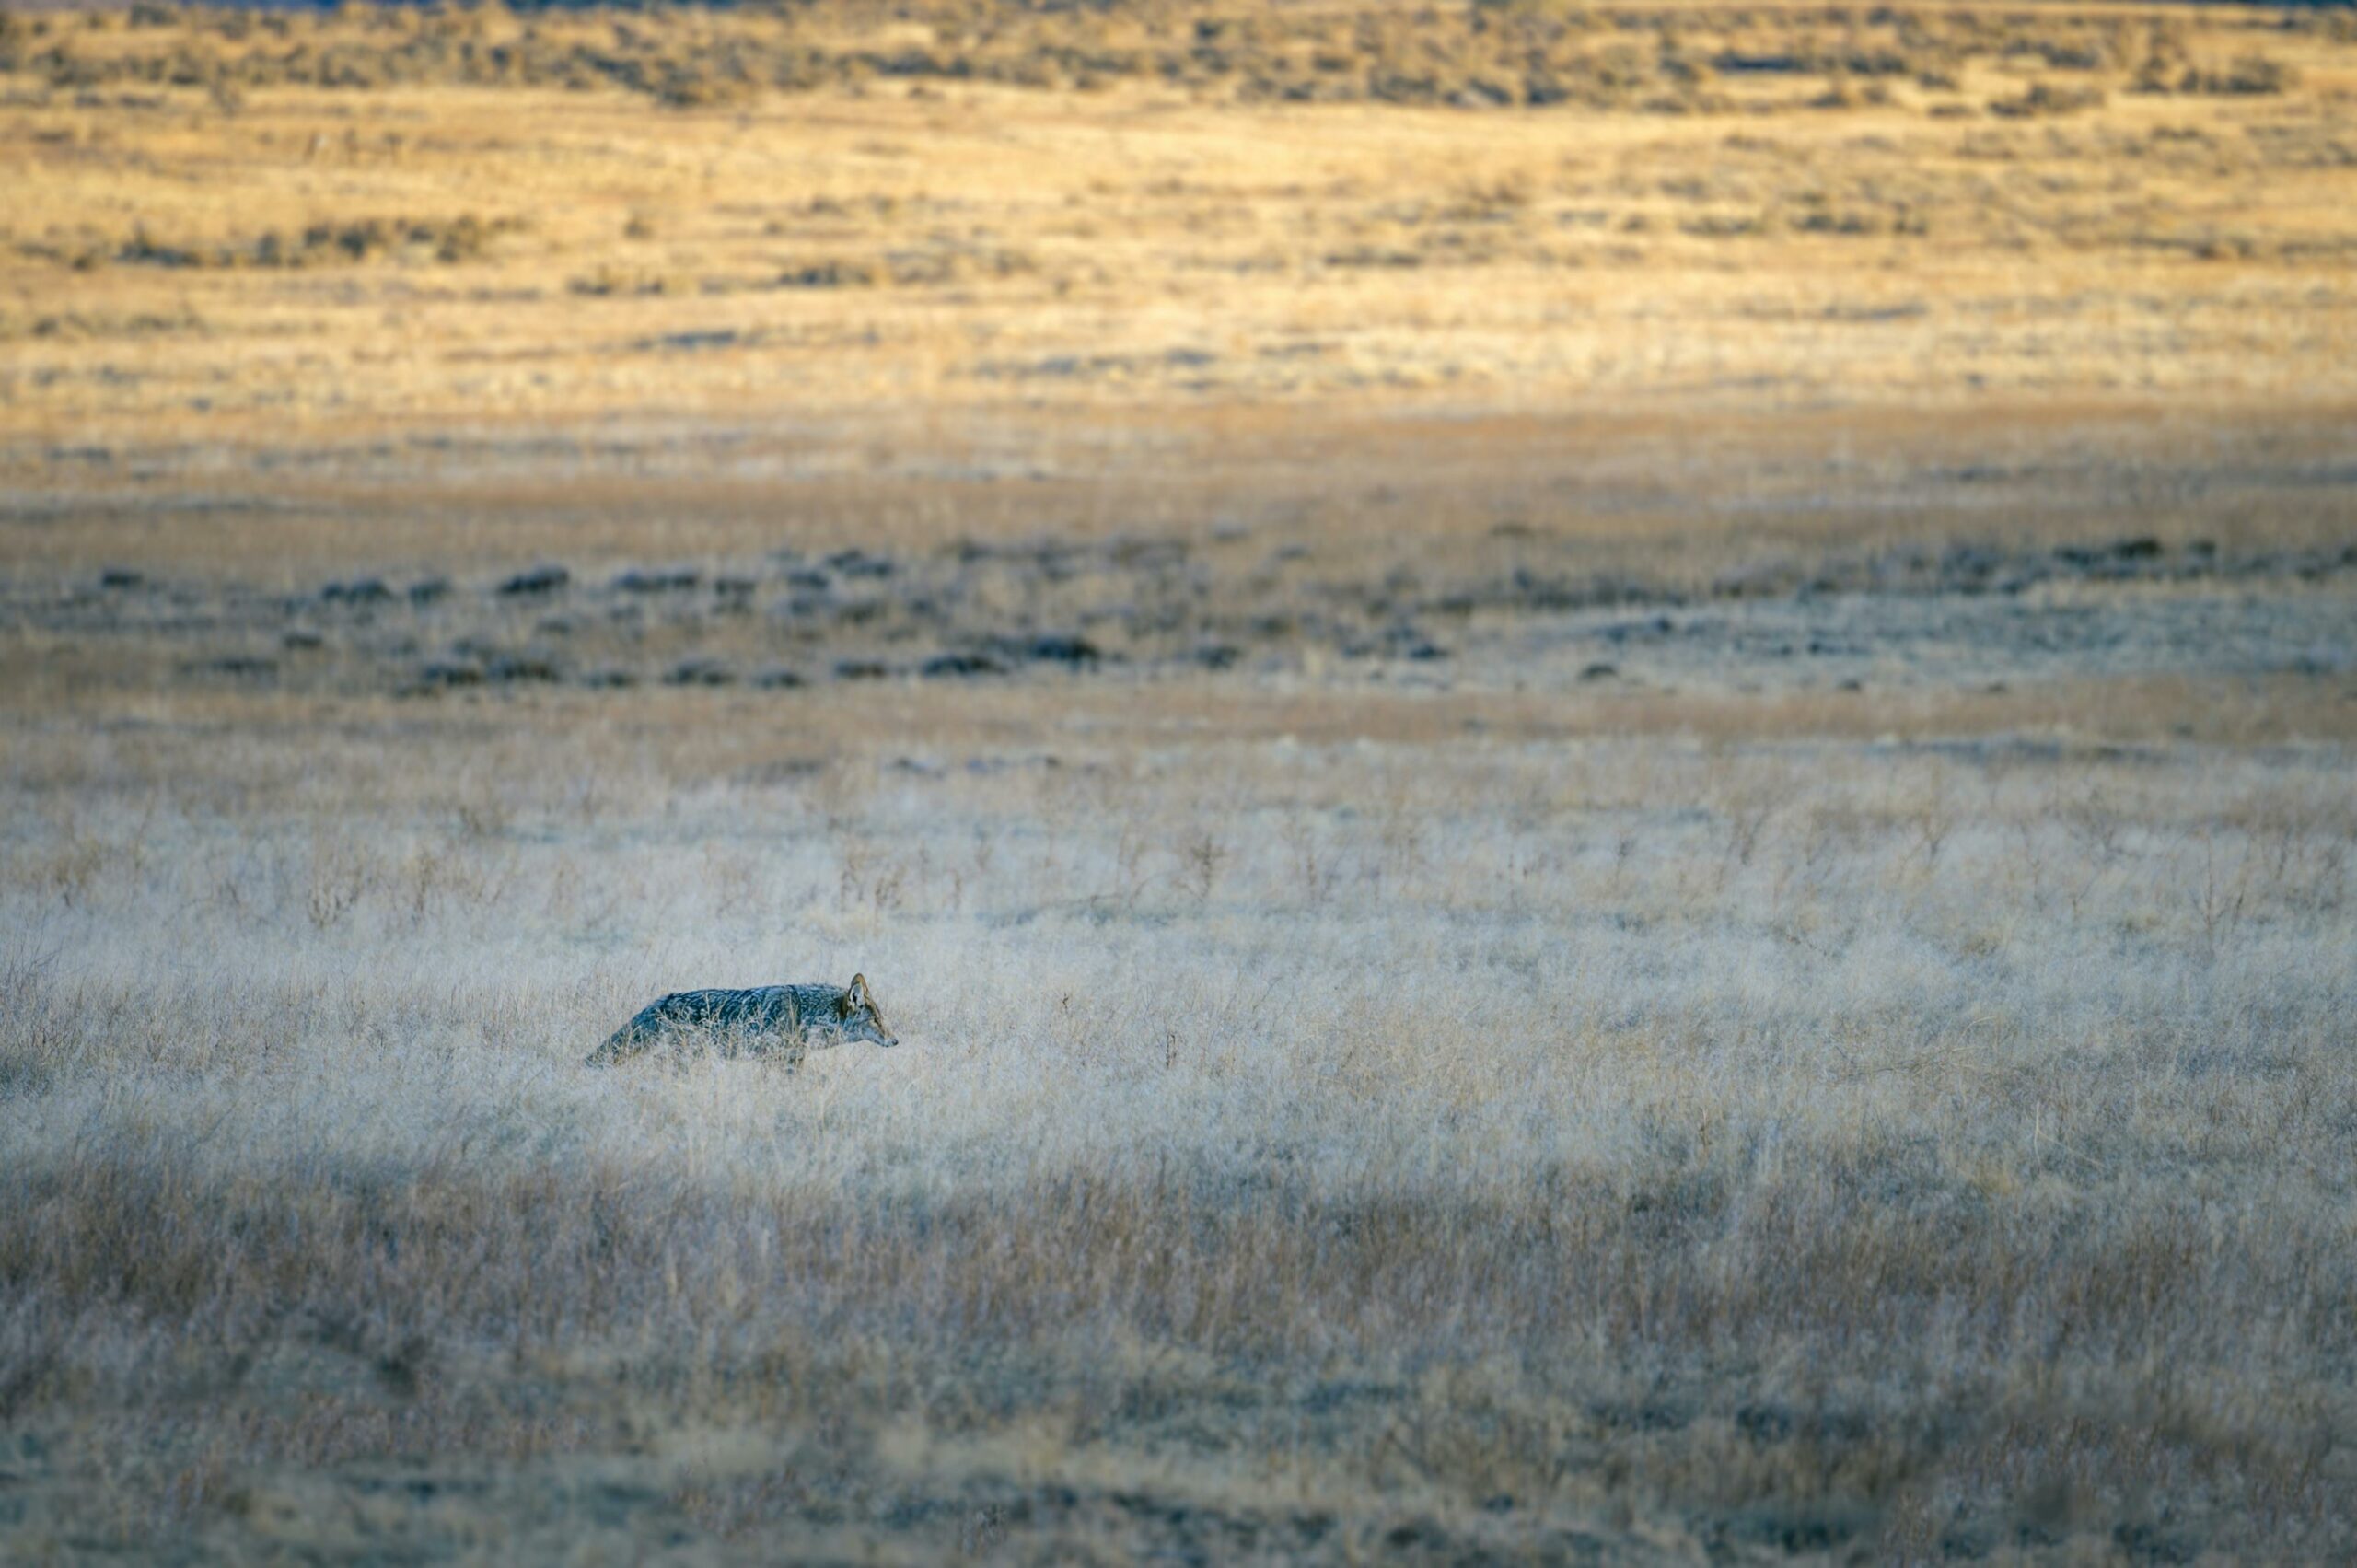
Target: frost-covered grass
{"points": [[1643, 1145]]}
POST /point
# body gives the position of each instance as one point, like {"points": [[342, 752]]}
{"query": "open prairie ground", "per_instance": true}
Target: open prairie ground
{"points": [[1599, 762]]}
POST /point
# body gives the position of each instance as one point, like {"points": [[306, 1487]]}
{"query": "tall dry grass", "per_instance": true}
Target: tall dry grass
{"points": [[1816, 1145]]}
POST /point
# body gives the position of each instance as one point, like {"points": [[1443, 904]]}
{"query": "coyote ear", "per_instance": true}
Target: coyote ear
{"points": [[858, 990]]}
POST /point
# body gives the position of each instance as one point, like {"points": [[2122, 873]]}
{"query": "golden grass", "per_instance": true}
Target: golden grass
{"points": [[1679, 494], [318, 264]]}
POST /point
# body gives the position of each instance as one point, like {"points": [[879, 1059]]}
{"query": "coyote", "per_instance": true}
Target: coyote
{"points": [[782, 1021]]}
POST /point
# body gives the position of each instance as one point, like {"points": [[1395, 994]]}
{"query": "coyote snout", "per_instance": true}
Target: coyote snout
{"points": [[785, 1021]]}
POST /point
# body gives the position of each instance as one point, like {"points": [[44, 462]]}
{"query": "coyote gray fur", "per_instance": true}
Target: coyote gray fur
{"points": [[780, 1021]]}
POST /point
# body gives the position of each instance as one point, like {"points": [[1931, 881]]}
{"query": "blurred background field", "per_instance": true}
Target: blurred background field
{"points": [[1597, 760], [239, 228]]}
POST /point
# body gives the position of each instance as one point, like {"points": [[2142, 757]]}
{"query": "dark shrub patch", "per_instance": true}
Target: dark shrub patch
{"points": [[538, 580]]}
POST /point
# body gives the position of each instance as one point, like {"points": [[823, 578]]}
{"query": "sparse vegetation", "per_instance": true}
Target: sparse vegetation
{"points": [[1116, 209], [464, 239]]}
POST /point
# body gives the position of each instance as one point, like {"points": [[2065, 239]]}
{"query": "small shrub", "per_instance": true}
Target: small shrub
{"points": [[2045, 98]]}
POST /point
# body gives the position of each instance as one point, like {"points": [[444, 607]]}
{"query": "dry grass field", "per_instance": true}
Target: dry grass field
{"points": [[238, 233], [1598, 762], [1498, 1145]]}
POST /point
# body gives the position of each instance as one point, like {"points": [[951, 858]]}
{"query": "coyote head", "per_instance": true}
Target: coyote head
{"points": [[857, 1018]]}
